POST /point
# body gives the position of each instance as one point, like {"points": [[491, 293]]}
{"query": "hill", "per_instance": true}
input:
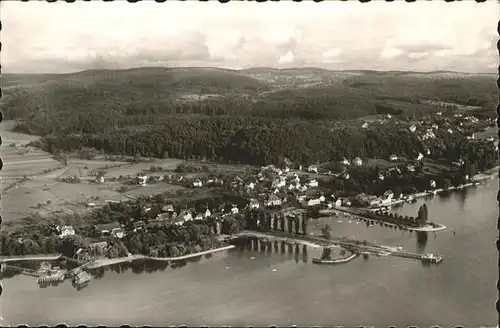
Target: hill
{"points": [[105, 100]]}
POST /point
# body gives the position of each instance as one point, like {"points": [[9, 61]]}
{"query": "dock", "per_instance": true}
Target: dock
{"points": [[28, 272]]}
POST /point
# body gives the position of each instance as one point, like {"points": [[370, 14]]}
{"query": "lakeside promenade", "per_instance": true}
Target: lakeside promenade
{"points": [[106, 262]]}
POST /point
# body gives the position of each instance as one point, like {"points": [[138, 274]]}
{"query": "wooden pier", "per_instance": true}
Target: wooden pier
{"points": [[28, 272]]}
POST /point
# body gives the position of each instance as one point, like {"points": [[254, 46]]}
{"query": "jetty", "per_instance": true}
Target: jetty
{"points": [[362, 248], [28, 272]]}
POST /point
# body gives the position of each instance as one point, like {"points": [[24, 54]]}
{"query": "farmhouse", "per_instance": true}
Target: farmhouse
{"points": [[67, 231], [197, 183], [312, 168], [118, 233], [358, 161], [142, 180], [254, 204], [313, 202], [139, 225], [168, 208], [273, 201], [235, 209], [393, 158]]}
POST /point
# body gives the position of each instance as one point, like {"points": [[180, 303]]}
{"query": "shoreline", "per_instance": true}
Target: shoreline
{"points": [[107, 262]]}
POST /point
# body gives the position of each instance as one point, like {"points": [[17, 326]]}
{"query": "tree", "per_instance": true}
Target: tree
{"points": [[422, 215], [326, 254], [325, 231]]}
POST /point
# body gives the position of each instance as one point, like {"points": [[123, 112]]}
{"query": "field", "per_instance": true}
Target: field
{"points": [[30, 180], [133, 169], [19, 160]]}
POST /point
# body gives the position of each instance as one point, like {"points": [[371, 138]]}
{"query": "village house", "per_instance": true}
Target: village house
{"points": [[303, 188], [185, 215], [278, 183], [107, 228], [142, 180], [198, 217], [313, 183], [450, 131], [471, 137], [338, 203], [439, 113], [413, 128], [346, 202], [276, 191], [250, 186], [313, 202], [179, 220], [432, 183], [296, 179], [435, 126], [273, 200], [287, 169], [358, 161], [139, 225], [322, 198], [98, 247], [66, 231], [419, 157], [254, 204], [168, 208], [99, 179], [365, 125], [346, 162], [301, 198], [381, 177], [393, 158], [207, 213], [345, 176], [410, 168], [234, 209], [312, 168], [118, 233], [291, 186], [197, 183]]}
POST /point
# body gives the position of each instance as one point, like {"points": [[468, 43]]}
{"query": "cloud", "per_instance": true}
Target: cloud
{"points": [[55, 37], [287, 58]]}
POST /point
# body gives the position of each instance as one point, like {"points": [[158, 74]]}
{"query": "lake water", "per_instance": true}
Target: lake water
{"points": [[262, 288]]}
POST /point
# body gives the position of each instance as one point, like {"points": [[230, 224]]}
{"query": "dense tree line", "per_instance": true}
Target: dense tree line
{"points": [[247, 140]]}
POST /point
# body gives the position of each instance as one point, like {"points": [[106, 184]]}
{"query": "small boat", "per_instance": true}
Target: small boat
{"points": [[431, 258]]}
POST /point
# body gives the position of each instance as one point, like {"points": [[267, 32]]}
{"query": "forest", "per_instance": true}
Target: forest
{"points": [[249, 116]]}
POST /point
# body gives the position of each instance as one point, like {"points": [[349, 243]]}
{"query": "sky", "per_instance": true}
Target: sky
{"points": [[41, 37]]}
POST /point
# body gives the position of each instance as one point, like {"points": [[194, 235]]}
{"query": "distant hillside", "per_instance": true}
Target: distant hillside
{"points": [[105, 100]]}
